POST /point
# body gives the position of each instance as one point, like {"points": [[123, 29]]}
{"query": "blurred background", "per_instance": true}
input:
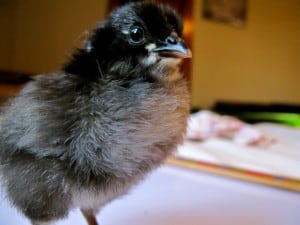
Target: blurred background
{"points": [[256, 61], [246, 57]]}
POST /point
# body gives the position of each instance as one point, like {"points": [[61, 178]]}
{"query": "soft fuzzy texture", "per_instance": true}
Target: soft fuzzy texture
{"points": [[82, 136]]}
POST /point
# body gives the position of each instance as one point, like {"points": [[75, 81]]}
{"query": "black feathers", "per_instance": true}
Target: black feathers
{"points": [[123, 37]]}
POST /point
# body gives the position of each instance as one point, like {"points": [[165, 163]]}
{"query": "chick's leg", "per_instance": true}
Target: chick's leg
{"points": [[89, 216]]}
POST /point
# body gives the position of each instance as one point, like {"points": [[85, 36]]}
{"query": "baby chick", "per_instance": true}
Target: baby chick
{"points": [[84, 135]]}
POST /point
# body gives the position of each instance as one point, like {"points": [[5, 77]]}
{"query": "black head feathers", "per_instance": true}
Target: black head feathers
{"points": [[137, 34]]}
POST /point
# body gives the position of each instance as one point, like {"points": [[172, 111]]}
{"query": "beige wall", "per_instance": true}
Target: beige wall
{"points": [[46, 31], [260, 62], [7, 21]]}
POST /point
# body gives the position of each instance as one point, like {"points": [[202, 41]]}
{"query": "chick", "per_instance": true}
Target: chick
{"points": [[84, 135]]}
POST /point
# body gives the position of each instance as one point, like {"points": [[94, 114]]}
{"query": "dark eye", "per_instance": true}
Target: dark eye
{"points": [[136, 35]]}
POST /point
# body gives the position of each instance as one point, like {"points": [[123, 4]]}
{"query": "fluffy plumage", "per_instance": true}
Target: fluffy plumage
{"points": [[82, 136]]}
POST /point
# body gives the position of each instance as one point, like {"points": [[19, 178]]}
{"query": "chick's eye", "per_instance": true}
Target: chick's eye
{"points": [[136, 35]]}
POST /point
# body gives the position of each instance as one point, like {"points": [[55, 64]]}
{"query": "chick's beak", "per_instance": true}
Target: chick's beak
{"points": [[173, 47]]}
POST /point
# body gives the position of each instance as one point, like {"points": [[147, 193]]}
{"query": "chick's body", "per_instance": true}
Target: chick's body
{"points": [[83, 136]]}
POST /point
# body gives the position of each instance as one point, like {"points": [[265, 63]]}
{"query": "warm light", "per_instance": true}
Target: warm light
{"points": [[188, 27]]}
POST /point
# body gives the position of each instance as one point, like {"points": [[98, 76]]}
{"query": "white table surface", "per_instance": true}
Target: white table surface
{"points": [[174, 196]]}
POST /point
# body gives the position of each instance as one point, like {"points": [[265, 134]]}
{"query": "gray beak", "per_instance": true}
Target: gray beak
{"points": [[173, 47]]}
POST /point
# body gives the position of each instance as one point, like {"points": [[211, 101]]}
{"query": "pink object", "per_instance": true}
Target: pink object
{"points": [[206, 124]]}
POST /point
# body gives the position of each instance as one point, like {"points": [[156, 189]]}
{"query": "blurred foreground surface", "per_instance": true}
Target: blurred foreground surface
{"points": [[173, 196]]}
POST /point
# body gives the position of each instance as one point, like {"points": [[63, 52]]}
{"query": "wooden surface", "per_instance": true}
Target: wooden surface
{"points": [[7, 90], [278, 165]]}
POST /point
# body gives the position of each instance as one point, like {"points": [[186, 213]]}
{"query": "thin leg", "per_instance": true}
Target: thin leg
{"points": [[89, 216]]}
